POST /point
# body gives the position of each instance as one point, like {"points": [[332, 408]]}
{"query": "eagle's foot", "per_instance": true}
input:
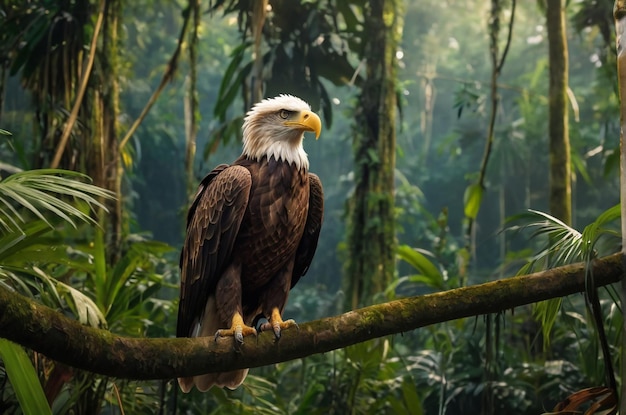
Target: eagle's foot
{"points": [[238, 330], [276, 324]]}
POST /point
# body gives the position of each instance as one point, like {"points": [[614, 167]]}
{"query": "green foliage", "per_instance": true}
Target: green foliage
{"points": [[43, 190], [305, 45], [122, 290], [364, 378], [29, 248], [30, 25], [565, 245], [41, 258], [23, 378], [26, 256], [443, 87], [472, 199], [428, 273], [232, 80], [128, 303]]}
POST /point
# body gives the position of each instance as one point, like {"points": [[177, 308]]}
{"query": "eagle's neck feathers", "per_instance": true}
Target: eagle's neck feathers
{"points": [[285, 149]]}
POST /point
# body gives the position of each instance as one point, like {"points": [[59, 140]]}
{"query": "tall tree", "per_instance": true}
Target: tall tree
{"points": [[70, 68], [104, 161], [619, 13], [371, 237], [560, 164], [192, 111]]}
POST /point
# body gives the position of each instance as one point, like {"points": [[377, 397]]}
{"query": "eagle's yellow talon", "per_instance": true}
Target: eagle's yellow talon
{"points": [[277, 325], [238, 330]]}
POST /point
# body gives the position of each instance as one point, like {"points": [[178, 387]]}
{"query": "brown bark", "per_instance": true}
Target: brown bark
{"points": [[619, 14], [371, 214], [192, 104], [259, 14], [105, 164], [560, 164], [54, 335]]}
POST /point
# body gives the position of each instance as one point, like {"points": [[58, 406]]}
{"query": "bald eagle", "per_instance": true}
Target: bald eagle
{"points": [[252, 231]]}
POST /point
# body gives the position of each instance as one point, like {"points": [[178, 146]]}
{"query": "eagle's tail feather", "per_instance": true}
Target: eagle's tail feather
{"points": [[230, 380]]}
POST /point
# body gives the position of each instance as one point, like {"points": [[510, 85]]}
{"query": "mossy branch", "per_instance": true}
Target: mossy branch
{"points": [[60, 338]]}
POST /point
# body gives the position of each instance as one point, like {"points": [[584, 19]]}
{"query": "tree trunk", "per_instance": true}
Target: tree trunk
{"points": [[192, 105], [560, 164], [79, 75], [619, 13], [104, 164], [371, 231], [259, 13]]}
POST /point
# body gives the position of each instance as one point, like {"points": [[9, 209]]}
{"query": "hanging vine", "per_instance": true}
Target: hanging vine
{"points": [[192, 111], [474, 193]]}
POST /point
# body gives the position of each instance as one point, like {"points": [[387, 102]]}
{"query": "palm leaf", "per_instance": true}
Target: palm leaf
{"points": [[42, 191], [565, 245], [82, 306], [15, 242]]}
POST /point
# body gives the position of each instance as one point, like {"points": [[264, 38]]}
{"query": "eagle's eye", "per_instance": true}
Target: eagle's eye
{"points": [[284, 114]]}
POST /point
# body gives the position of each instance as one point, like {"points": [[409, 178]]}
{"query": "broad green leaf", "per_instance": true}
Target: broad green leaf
{"points": [[50, 295], [417, 260], [14, 242], [411, 398], [595, 230], [228, 86], [546, 312], [472, 200], [100, 274], [24, 379], [579, 165]]}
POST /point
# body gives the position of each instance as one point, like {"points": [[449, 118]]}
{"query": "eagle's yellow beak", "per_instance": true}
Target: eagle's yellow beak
{"points": [[307, 121]]}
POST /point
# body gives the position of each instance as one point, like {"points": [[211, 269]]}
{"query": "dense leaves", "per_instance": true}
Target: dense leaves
{"points": [[521, 362]]}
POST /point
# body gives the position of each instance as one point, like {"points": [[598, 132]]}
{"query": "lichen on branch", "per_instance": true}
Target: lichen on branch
{"points": [[48, 332]]}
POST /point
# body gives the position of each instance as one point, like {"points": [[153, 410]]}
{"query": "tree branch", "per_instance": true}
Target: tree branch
{"points": [[168, 75], [60, 338]]}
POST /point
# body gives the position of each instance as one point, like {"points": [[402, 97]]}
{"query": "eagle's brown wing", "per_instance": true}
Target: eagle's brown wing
{"points": [[308, 243], [212, 227]]}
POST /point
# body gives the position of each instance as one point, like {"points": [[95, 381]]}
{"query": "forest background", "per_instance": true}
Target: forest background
{"points": [[470, 154]]}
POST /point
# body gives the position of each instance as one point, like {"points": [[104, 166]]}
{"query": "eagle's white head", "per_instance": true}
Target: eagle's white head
{"points": [[276, 127]]}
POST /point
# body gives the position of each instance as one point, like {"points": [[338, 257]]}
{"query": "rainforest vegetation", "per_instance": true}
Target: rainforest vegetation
{"points": [[462, 143]]}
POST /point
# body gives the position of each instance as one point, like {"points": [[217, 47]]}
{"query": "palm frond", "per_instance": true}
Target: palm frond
{"points": [[46, 191], [564, 244], [52, 293], [82, 306]]}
